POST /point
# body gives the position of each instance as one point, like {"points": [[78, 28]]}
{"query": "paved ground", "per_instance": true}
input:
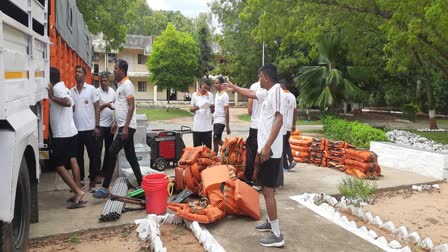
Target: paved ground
{"points": [[303, 230]]}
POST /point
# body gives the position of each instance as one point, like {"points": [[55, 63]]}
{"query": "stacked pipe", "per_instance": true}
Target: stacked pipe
{"points": [[300, 147], [113, 208], [362, 164], [335, 153], [317, 154]]}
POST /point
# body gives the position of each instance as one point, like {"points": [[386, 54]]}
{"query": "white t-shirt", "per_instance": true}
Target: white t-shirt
{"points": [[221, 100], [291, 104], [124, 91], [256, 105], [84, 114], [61, 118], [202, 120], [107, 114], [272, 102]]}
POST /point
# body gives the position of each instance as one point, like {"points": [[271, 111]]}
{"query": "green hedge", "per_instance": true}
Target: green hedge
{"points": [[352, 132]]}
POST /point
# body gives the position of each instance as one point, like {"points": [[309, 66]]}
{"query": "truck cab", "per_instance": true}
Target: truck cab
{"points": [[32, 38]]}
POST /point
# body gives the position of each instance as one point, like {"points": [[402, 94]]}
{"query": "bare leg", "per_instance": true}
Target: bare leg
{"points": [[70, 182], [75, 171], [271, 204]]}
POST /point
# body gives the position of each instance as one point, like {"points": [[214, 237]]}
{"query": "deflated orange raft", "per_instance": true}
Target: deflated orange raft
{"points": [[226, 195]]}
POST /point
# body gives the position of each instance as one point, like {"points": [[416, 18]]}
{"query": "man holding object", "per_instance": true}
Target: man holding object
{"points": [[270, 145]]}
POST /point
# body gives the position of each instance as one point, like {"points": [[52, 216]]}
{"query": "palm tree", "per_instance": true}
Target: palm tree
{"points": [[325, 84]]}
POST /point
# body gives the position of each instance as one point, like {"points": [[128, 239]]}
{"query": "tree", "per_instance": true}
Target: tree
{"points": [[173, 61], [326, 84], [148, 22], [205, 56], [108, 17], [407, 34], [238, 47]]}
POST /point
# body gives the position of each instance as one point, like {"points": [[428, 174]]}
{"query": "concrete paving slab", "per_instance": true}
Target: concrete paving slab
{"points": [[302, 228], [56, 219], [314, 179]]}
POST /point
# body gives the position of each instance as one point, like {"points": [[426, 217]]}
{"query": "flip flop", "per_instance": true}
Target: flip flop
{"points": [[101, 194], [74, 205]]}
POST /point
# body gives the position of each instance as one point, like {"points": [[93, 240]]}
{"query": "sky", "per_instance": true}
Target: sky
{"points": [[189, 8]]}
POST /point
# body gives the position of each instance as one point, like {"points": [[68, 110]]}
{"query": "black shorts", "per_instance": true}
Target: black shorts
{"points": [[218, 129], [62, 149], [202, 138], [268, 172]]}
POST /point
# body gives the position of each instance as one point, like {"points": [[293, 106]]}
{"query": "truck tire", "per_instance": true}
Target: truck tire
{"points": [[14, 235]]}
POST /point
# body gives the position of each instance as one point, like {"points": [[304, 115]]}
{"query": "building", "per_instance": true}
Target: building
{"points": [[136, 51]]}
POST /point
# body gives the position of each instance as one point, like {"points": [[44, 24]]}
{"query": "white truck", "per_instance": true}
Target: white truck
{"points": [[34, 35]]}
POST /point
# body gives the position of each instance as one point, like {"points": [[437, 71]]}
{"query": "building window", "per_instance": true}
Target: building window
{"points": [[142, 86], [142, 59], [111, 57], [96, 57]]}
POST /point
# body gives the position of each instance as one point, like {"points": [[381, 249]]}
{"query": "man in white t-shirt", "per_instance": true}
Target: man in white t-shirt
{"points": [[87, 117], [106, 97], [270, 145], [202, 105], [64, 132], [288, 126], [253, 108], [221, 115], [125, 121]]}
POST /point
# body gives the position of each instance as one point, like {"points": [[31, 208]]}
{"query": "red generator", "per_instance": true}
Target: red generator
{"points": [[166, 146]]}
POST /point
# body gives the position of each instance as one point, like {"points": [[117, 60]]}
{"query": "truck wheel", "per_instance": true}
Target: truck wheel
{"points": [[160, 164], [14, 235]]}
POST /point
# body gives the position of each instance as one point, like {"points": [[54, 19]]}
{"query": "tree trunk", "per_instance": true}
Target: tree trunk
{"points": [[431, 105], [419, 96]]}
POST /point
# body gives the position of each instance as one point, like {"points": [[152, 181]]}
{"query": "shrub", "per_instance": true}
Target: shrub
{"points": [[356, 190], [410, 111], [352, 132]]}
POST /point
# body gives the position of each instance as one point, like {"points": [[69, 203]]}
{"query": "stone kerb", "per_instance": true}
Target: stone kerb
{"points": [[422, 162]]}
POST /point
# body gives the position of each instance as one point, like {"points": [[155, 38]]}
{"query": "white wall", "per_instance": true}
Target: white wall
{"points": [[426, 163]]}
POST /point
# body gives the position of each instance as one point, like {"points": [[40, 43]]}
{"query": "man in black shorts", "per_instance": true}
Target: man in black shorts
{"points": [[270, 145], [64, 141], [202, 105], [221, 115]]}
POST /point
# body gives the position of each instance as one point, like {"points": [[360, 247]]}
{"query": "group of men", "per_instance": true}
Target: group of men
{"points": [[85, 116], [273, 112], [210, 113], [88, 117]]}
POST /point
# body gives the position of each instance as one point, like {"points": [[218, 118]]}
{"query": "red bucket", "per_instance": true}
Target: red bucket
{"points": [[156, 192]]}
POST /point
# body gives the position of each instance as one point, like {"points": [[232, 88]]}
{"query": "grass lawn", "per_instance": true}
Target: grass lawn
{"points": [[440, 137], [163, 114], [441, 123], [246, 118]]}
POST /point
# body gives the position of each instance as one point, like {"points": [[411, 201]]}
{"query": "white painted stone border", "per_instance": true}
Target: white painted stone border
{"points": [[150, 227], [328, 211]]}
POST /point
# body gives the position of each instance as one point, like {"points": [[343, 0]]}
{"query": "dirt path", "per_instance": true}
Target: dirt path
{"points": [[124, 238], [423, 212]]}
